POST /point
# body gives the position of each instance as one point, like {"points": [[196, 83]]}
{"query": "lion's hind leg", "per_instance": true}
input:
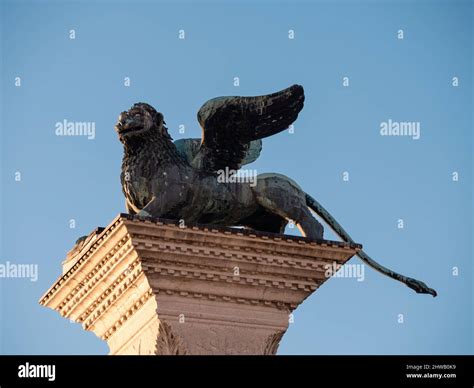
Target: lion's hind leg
{"points": [[282, 196]]}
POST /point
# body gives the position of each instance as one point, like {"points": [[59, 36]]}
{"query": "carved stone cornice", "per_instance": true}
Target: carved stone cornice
{"points": [[150, 286]]}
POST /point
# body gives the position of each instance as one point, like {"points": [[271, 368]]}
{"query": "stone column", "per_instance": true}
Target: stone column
{"points": [[150, 286]]}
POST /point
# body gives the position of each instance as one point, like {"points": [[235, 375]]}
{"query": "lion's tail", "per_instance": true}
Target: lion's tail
{"points": [[414, 284]]}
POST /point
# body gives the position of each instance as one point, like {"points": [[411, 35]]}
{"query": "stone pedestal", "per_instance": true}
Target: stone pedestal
{"points": [[154, 287]]}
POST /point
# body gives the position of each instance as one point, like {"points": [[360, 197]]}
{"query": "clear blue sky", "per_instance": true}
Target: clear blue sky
{"points": [[67, 178]]}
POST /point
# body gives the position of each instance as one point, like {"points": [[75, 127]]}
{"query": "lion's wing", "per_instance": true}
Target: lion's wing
{"points": [[231, 124]]}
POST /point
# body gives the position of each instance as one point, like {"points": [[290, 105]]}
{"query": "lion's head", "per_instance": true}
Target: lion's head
{"points": [[140, 120]]}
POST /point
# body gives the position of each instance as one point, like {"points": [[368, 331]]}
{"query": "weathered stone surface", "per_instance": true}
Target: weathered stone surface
{"points": [[152, 287]]}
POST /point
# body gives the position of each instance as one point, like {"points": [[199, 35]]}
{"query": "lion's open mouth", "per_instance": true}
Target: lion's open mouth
{"points": [[128, 125], [122, 130]]}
